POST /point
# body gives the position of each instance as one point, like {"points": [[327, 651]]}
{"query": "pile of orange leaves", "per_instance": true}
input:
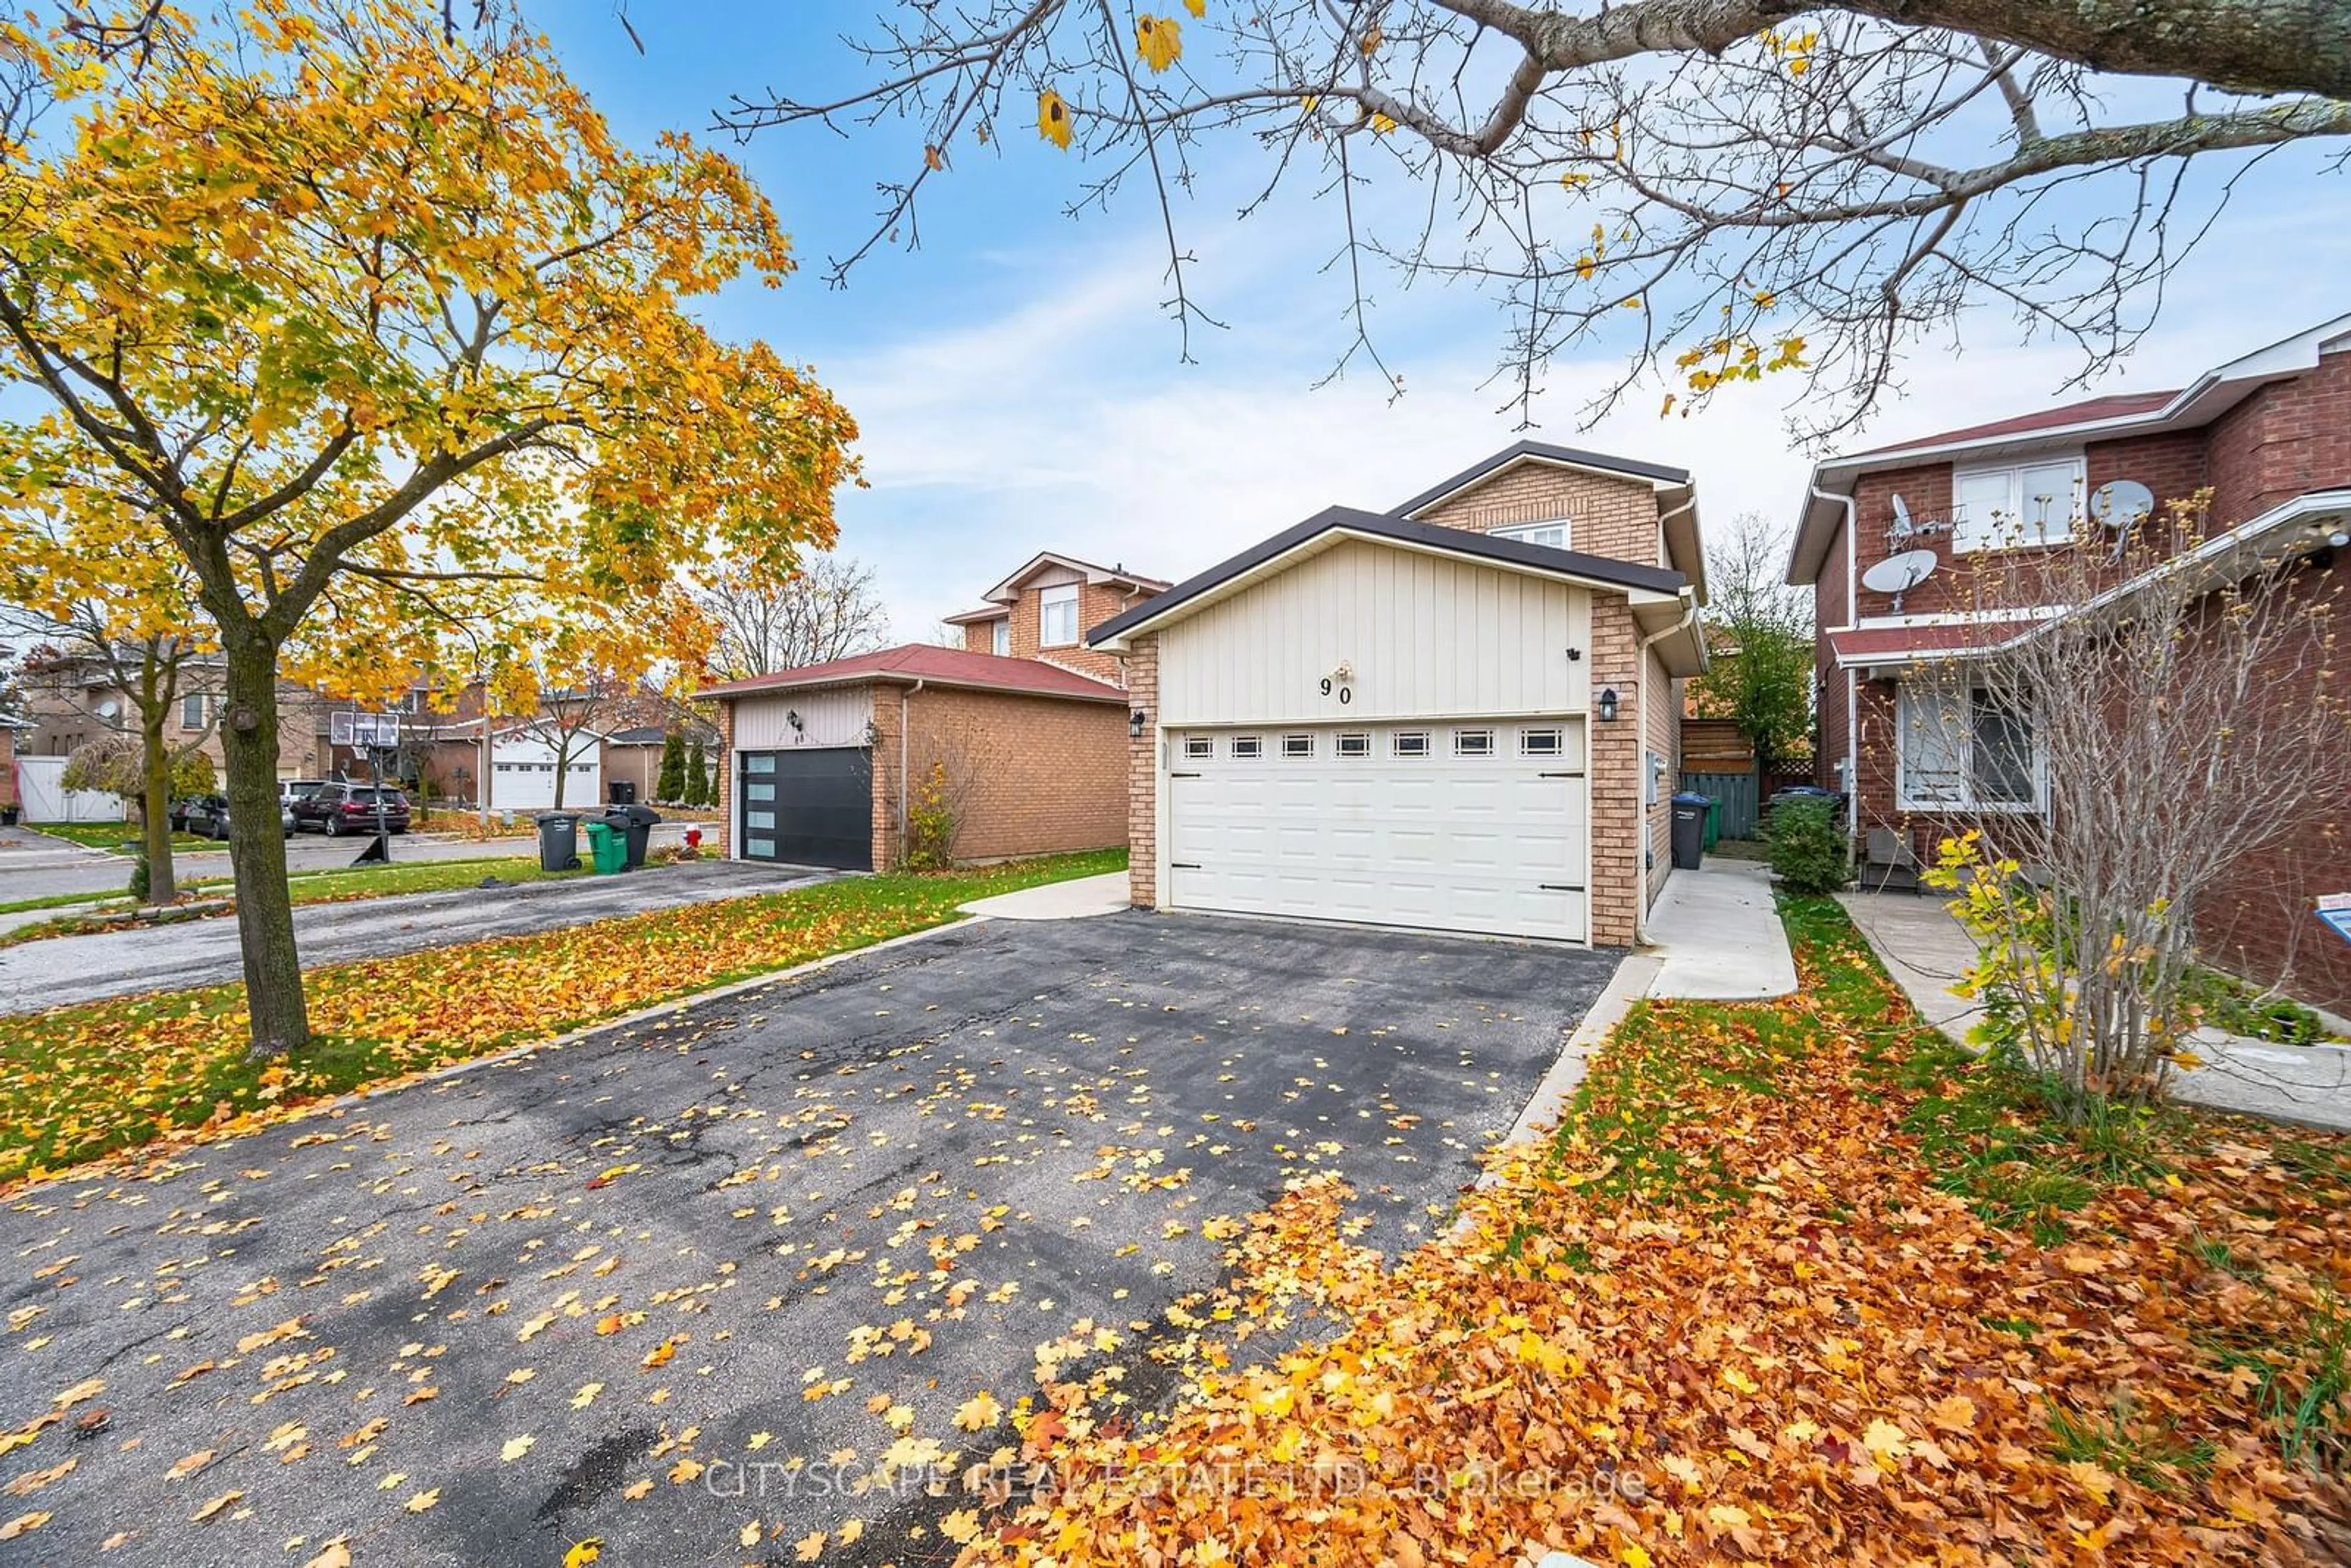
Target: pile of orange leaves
{"points": [[1730, 1315]]}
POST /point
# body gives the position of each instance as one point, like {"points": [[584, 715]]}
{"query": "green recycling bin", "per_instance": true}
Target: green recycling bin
{"points": [[1713, 821], [608, 847]]}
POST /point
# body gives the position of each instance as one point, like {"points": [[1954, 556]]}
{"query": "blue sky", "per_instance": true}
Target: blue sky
{"points": [[1019, 389]]}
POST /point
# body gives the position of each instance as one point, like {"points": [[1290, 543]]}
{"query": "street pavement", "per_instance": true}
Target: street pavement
{"points": [[58, 971], [33, 865], [706, 1289]]}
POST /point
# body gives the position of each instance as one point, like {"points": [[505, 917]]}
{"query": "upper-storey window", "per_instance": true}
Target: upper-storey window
{"points": [[1552, 533], [2032, 504], [1057, 616], [1002, 637]]}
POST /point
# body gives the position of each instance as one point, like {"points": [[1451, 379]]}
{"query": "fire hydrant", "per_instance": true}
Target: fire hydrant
{"points": [[694, 838]]}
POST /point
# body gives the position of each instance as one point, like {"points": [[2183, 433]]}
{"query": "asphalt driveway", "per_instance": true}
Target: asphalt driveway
{"points": [[58, 971], [581, 1294]]}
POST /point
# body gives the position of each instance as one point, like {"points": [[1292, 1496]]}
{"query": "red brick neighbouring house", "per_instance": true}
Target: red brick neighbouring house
{"points": [[1459, 714], [1023, 729], [2267, 436]]}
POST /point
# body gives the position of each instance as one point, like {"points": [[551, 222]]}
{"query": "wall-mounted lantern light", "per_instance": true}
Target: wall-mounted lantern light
{"points": [[1608, 705], [1134, 722], [792, 717], [872, 732]]}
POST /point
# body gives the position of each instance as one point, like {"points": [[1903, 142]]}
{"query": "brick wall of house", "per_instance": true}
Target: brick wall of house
{"points": [[722, 779], [1617, 874], [1661, 715], [1033, 775], [979, 637], [1097, 603], [1830, 607], [1143, 775], [2286, 439], [1607, 516], [8, 768]]}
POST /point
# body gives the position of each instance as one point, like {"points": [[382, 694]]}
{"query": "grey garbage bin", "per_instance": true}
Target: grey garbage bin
{"points": [[635, 825], [623, 791], [1689, 831], [559, 841]]}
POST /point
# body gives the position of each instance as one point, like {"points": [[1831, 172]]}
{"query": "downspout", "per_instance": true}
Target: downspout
{"points": [[905, 714], [1641, 686], [1851, 696]]}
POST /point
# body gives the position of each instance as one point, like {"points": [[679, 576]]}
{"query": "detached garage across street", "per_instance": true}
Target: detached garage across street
{"points": [[1461, 716]]}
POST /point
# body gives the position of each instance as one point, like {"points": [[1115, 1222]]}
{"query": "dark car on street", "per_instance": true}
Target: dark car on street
{"points": [[206, 816], [339, 809]]}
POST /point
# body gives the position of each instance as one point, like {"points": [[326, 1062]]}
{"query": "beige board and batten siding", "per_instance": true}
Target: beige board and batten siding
{"points": [[830, 716], [1426, 636]]}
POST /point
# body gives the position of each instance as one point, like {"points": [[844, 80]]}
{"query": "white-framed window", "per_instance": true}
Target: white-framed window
{"points": [[1197, 746], [1962, 748], [1000, 637], [2029, 504], [1538, 743], [1354, 746], [1247, 747], [192, 711], [1057, 615], [1409, 743], [1473, 743], [1298, 746], [1553, 532]]}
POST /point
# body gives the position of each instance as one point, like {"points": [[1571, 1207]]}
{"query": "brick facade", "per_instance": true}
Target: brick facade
{"points": [[722, 778], [1606, 517], [1097, 603], [1034, 775], [1617, 871], [1143, 775], [8, 767]]}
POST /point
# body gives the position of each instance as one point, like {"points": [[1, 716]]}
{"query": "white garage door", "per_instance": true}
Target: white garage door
{"points": [[1470, 826]]}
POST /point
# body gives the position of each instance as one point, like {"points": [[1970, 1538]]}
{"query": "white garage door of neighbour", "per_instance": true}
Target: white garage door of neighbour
{"points": [[1472, 825], [529, 785]]}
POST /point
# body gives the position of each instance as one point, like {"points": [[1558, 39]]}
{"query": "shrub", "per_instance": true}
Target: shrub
{"points": [[671, 784], [930, 823], [139, 883], [1808, 851], [697, 777]]}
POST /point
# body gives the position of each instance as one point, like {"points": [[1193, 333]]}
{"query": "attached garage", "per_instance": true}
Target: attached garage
{"points": [[1373, 719], [821, 765], [1471, 825]]}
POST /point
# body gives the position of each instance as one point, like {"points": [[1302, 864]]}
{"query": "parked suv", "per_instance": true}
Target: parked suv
{"points": [[206, 816], [339, 809], [290, 790]]}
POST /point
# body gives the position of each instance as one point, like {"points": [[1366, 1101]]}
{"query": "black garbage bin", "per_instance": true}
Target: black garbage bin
{"points": [[1689, 831], [635, 825], [623, 791], [559, 841]]}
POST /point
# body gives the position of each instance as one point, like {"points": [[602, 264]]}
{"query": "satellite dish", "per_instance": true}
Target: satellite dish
{"points": [[109, 708], [1902, 528], [1898, 574], [2121, 504]]}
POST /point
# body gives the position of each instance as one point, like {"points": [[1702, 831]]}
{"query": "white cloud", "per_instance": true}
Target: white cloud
{"points": [[1065, 423]]}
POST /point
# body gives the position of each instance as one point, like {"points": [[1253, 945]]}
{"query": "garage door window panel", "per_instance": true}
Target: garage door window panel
{"points": [[1473, 743], [1410, 743], [1247, 747], [1297, 745], [1199, 748], [1354, 746], [1540, 743]]}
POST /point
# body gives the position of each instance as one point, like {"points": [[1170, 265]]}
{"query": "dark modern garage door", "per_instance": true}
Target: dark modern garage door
{"points": [[808, 808]]}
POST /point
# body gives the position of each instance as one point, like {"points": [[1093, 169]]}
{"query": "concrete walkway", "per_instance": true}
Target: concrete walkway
{"points": [[1072, 900], [1926, 951], [1718, 937]]}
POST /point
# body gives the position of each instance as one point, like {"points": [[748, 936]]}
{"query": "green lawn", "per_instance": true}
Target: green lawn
{"points": [[113, 836], [82, 1081]]}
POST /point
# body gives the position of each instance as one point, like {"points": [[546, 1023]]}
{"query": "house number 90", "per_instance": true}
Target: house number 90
{"points": [[1346, 694]]}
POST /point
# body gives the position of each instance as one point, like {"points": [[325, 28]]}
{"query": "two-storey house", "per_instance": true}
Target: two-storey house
{"points": [[1016, 738], [1899, 544], [1460, 714]]}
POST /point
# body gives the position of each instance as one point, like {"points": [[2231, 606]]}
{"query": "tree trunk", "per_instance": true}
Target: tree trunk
{"points": [[156, 806], [256, 849]]}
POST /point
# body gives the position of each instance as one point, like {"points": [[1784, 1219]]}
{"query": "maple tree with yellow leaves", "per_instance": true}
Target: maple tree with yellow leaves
{"points": [[373, 325]]}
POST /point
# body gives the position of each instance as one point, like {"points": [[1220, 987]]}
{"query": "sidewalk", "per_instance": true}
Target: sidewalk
{"points": [[1925, 950]]}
